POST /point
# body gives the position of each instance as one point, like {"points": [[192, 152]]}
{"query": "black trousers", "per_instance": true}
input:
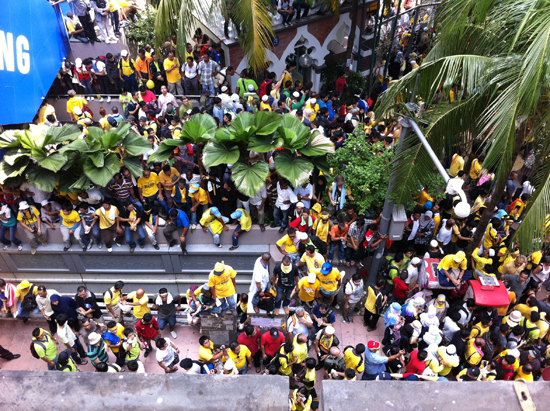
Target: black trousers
{"points": [[257, 359], [53, 325], [370, 319], [5, 354], [88, 27]]}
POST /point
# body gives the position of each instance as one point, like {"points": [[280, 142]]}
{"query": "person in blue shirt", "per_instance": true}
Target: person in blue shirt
{"points": [[177, 219], [215, 54], [217, 110], [375, 362], [323, 316]]}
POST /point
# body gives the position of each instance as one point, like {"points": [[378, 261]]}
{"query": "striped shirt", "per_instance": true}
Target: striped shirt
{"points": [[98, 352], [206, 70], [122, 190]]}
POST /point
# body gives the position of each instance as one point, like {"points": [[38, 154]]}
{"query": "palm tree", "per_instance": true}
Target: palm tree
{"points": [[496, 53]]}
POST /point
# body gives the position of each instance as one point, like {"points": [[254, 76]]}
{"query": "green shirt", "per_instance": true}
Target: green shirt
{"points": [[243, 86], [183, 109], [46, 348], [132, 350], [70, 367]]}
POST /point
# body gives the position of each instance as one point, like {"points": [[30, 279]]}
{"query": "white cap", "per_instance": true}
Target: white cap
{"points": [[330, 330], [434, 244], [44, 203], [312, 101], [415, 261], [78, 63], [100, 65], [77, 111], [224, 89], [265, 98], [491, 252], [250, 87], [235, 97], [451, 349], [296, 94], [311, 277], [514, 353], [229, 365], [124, 53], [23, 205], [300, 204], [301, 235]]}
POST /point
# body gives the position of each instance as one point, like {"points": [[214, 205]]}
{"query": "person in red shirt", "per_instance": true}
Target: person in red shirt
{"points": [[400, 287], [417, 365], [340, 83], [147, 329], [506, 364], [304, 222], [252, 338], [270, 344]]}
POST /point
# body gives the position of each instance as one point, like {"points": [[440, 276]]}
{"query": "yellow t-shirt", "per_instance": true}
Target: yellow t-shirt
{"points": [[353, 361], [72, 196], [456, 165], [141, 309], [70, 220], [174, 76], [104, 123], [480, 261], [288, 243], [534, 259], [200, 196], [308, 290], [329, 282], [182, 192], [206, 354], [45, 111], [115, 299], [20, 293], [28, 216], [475, 169], [240, 358], [113, 5], [164, 179], [313, 263], [490, 238], [104, 220], [300, 351], [223, 283], [424, 197], [245, 221], [74, 102], [521, 374], [284, 368], [448, 262], [126, 66], [149, 186]]}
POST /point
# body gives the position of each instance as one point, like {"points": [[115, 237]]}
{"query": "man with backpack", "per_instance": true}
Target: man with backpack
{"points": [[44, 347], [29, 218], [127, 72], [25, 301]]}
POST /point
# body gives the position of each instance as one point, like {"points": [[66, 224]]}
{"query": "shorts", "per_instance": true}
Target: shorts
{"points": [[168, 321]]}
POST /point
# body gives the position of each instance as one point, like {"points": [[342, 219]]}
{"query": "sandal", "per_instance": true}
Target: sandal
{"points": [[233, 248], [84, 362]]}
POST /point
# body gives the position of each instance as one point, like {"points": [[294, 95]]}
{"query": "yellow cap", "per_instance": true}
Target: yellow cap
{"points": [[459, 257], [25, 284], [219, 267]]}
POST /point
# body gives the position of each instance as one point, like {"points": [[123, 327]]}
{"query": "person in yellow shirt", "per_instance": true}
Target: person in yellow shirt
{"points": [[492, 237], [481, 328], [480, 261], [107, 218], [208, 353], [301, 399], [286, 362], [241, 356], [221, 281], [74, 101], [308, 289], [70, 224], [457, 164], [150, 189], [525, 372], [168, 179], [21, 291], [173, 74], [116, 329], [199, 197], [474, 351], [115, 302], [452, 270], [127, 72], [331, 280], [243, 221], [140, 302], [29, 218], [287, 246], [353, 357], [311, 258], [322, 225], [476, 167], [45, 110], [213, 221]]}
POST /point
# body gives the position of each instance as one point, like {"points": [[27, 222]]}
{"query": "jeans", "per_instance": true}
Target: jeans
{"points": [[444, 281], [81, 39], [86, 237], [79, 353], [294, 257], [105, 28], [228, 302], [217, 236], [130, 83], [168, 321], [279, 298], [214, 310], [287, 17], [242, 371], [66, 234], [350, 254], [88, 86], [22, 313], [155, 198], [115, 21], [299, 7], [236, 239], [13, 238], [209, 88], [141, 236], [281, 217], [194, 213], [341, 248]]}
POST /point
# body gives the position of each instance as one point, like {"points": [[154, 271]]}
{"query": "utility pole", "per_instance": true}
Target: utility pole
{"points": [[361, 31], [394, 26], [377, 30]]}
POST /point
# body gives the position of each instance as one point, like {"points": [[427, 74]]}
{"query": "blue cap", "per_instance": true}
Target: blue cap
{"points": [[326, 268], [383, 376], [216, 212], [193, 188], [429, 205], [442, 379], [237, 214]]}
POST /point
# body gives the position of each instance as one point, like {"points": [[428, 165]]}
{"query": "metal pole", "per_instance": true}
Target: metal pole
{"points": [[431, 153], [388, 206], [361, 30], [394, 26], [377, 26], [416, 13]]}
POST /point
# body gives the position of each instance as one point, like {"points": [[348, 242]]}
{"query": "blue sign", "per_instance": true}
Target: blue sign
{"points": [[33, 43]]}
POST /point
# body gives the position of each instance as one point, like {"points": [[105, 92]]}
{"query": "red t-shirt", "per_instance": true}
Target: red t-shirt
{"points": [[271, 345], [415, 366], [399, 288], [340, 84], [251, 342], [147, 331], [297, 224]]}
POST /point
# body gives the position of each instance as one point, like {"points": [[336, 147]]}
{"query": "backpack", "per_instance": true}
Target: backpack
{"points": [[276, 360], [200, 364], [33, 350], [386, 267], [29, 302]]}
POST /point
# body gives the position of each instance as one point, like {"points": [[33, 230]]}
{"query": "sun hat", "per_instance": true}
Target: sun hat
{"points": [[514, 318], [23, 205], [25, 284], [459, 257], [94, 338]]}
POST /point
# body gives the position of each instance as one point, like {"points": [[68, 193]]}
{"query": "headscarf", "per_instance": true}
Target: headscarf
{"points": [[430, 318], [392, 315], [66, 306], [423, 222], [399, 58]]}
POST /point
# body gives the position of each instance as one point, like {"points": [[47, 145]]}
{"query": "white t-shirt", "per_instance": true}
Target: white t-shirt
{"points": [[94, 197], [285, 195], [190, 72], [195, 369], [167, 355], [449, 328], [413, 273], [444, 235], [259, 275], [66, 335], [355, 292], [258, 198]]}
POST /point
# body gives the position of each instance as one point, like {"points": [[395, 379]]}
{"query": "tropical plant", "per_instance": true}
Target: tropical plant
{"points": [[246, 140], [142, 32], [496, 53]]}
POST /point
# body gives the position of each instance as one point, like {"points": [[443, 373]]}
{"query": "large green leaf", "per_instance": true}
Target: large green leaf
{"points": [[295, 169], [110, 140], [292, 139], [134, 165], [165, 150], [14, 154], [225, 134], [72, 157], [102, 175], [43, 179], [97, 158], [317, 145], [135, 145], [7, 170], [249, 179], [220, 153], [263, 144], [243, 121], [95, 136], [77, 145], [69, 132], [53, 162], [82, 184], [9, 139], [200, 129], [40, 135], [266, 122], [321, 163], [122, 130], [26, 139]]}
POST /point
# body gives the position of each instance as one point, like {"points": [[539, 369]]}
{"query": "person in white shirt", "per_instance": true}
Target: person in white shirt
{"points": [[31, 191], [91, 196], [45, 306], [71, 341], [193, 367], [257, 206], [236, 102], [166, 98], [260, 279], [190, 80], [304, 193], [166, 355], [136, 367], [300, 322], [354, 291], [412, 269], [450, 325], [225, 97], [285, 198]]}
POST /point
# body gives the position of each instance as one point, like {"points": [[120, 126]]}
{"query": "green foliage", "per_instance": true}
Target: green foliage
{"points": [[354, 81], [143, 31], [365, 173], [330, 73]]}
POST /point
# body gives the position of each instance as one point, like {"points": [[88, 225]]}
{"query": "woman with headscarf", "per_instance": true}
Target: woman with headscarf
{"points": [[395, 66], [67, 306], [429, 318], [319, 189], [425, 232], [392, 317]]}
